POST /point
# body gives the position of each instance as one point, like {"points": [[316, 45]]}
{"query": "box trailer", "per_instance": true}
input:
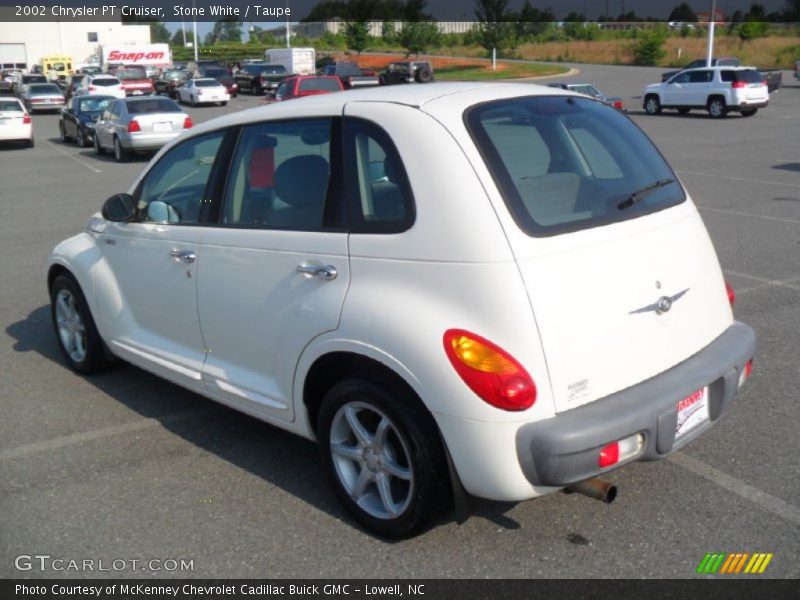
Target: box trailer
{"points": [[297, 61]]}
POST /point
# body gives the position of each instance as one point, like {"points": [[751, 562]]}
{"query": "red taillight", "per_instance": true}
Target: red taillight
{"points": [[739, 84], [187, 123], [133, 126], [609, 455], [489, 371], [731, 294], [764, 83], [92, 88], [748, 368], [26, 120]]}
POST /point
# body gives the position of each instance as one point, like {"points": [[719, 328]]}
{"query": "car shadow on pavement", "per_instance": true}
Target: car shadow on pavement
{"points": [[274, 455], [792, 166]]}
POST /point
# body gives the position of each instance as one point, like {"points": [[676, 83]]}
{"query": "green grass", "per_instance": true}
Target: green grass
{"points": [[504, 71]]}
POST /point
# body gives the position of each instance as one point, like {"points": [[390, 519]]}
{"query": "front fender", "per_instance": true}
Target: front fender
{"points": [[79, 255]]}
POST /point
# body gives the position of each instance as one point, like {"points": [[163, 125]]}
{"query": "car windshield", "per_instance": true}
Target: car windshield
{"points": [[131, 74], [34, 79], [152, 105], [10, 106], [567, 163], [93, 104], [215, 73], [321, 84], [177, 74], [206, 83], [43, 88]]}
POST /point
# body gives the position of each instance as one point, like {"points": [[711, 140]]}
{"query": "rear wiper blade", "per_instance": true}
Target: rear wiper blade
{"points": [[643, 193]]}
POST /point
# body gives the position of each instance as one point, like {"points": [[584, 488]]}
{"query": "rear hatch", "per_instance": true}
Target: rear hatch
{"points": [[749, 86], [622, 286]]}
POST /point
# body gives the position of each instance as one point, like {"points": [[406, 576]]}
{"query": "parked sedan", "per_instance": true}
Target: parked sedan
{"points": [[79, 116], [203, 91], [42, 96], [258, 260], [100, 85], [15, 122], [589, 90], [138, 124], [305, 85]]}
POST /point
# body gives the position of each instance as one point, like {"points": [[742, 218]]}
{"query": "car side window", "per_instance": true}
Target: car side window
{"points": [[682, 78], [700, 77], [727, 76], [173, 190], [279, 176], [379, 193]]}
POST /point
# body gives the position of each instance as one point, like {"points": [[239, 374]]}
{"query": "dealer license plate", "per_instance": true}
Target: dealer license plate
{"points": [[692, 413], [162, 126]]}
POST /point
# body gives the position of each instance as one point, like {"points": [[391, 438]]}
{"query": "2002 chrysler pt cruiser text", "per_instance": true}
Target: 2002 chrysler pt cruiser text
{"points": [[497, 289]]}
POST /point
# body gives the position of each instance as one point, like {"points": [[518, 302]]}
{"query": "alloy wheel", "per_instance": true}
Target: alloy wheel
{"points": [[71, 329]]}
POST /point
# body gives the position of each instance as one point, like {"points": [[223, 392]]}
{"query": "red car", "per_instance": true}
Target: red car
{"points": [[134, 81], [305, 85]]}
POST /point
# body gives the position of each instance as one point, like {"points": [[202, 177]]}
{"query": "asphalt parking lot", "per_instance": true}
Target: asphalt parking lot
{"points": [[127, 466]]}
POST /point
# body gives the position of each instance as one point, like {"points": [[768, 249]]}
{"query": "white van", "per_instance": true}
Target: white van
{"points": [[502, 289], [297, 61]]}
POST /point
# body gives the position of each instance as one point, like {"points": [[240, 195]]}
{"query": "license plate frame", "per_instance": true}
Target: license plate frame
{"points": [[693, 413]]}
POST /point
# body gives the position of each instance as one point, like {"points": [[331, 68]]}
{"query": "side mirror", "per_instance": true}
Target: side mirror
{"points": [[119, 208]]}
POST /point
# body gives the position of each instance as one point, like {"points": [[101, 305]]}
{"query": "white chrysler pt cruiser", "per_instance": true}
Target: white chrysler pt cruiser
{"points": [[457, 289]]}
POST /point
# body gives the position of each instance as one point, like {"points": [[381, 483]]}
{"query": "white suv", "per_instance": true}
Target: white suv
{"points": [[502, 289], [102, 85], [718, 90]]}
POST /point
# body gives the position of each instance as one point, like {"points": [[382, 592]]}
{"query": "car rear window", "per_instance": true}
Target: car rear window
{"points": [[321, 84], [566, 163], [206, 83], [10, 106], [152, 105], [105, 81], [43, 88], [131, 74], [94, 104], [215, 73], [748, 76]]}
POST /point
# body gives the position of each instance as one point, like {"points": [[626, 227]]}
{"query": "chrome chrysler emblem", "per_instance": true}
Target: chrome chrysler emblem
{"points": [[660, 306]]}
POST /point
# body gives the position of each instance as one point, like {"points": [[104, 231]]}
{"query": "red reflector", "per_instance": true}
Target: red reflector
{"points": [[187, 123], [26, 120], [609, 455], [133, 126], [489, 371], [731, 294], [748, 368]]}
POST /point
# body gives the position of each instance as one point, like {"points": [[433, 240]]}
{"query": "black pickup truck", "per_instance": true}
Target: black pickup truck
{"points": [[259, 78], [351, 74]]}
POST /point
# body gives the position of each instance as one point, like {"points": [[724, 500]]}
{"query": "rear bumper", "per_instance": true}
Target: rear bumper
{"points": [[750, 105], [564, 449], [147, 141]]}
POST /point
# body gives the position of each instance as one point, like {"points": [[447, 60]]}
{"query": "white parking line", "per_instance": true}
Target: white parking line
{"points": [[87, 436], [764, 500], [79, 159], [782, 283], [739, 213], [747, 179]]}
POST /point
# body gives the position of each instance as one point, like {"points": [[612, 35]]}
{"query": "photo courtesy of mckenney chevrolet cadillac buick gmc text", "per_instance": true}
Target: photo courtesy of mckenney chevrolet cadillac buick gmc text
{"points": [[453, 288]]}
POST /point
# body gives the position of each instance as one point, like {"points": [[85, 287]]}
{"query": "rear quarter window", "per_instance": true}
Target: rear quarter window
{"points": [[564, 163]]}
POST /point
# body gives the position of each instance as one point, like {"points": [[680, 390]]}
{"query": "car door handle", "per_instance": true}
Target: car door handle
{"points": [[186, 256], [326, 272]]}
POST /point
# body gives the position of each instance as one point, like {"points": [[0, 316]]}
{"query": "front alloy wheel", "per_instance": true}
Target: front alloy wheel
{"points": [[652, 106], [120, 154]]}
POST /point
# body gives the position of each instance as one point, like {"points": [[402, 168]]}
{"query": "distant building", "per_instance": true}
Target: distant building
{"points": [[374, 28], [26, 43]]}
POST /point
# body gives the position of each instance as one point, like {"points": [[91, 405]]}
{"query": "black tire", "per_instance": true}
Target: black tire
{"points": [[652, 105], [683, 111], [120, 153], [412, 443], [98, 149], [80, 138], [62, 133], [223, 104], [423, 75], [716, 107], [30, 143], [94, 358], [192, 101], [749, 113], [382, 80], [256, 90]]}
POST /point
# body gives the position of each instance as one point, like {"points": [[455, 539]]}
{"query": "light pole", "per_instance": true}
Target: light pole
{"points": [[288, 33], [194, 32], [711, 18]]}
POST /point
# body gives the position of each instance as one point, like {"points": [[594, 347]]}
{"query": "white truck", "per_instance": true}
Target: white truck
{"points": [[297, 61], [144, 55]]}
